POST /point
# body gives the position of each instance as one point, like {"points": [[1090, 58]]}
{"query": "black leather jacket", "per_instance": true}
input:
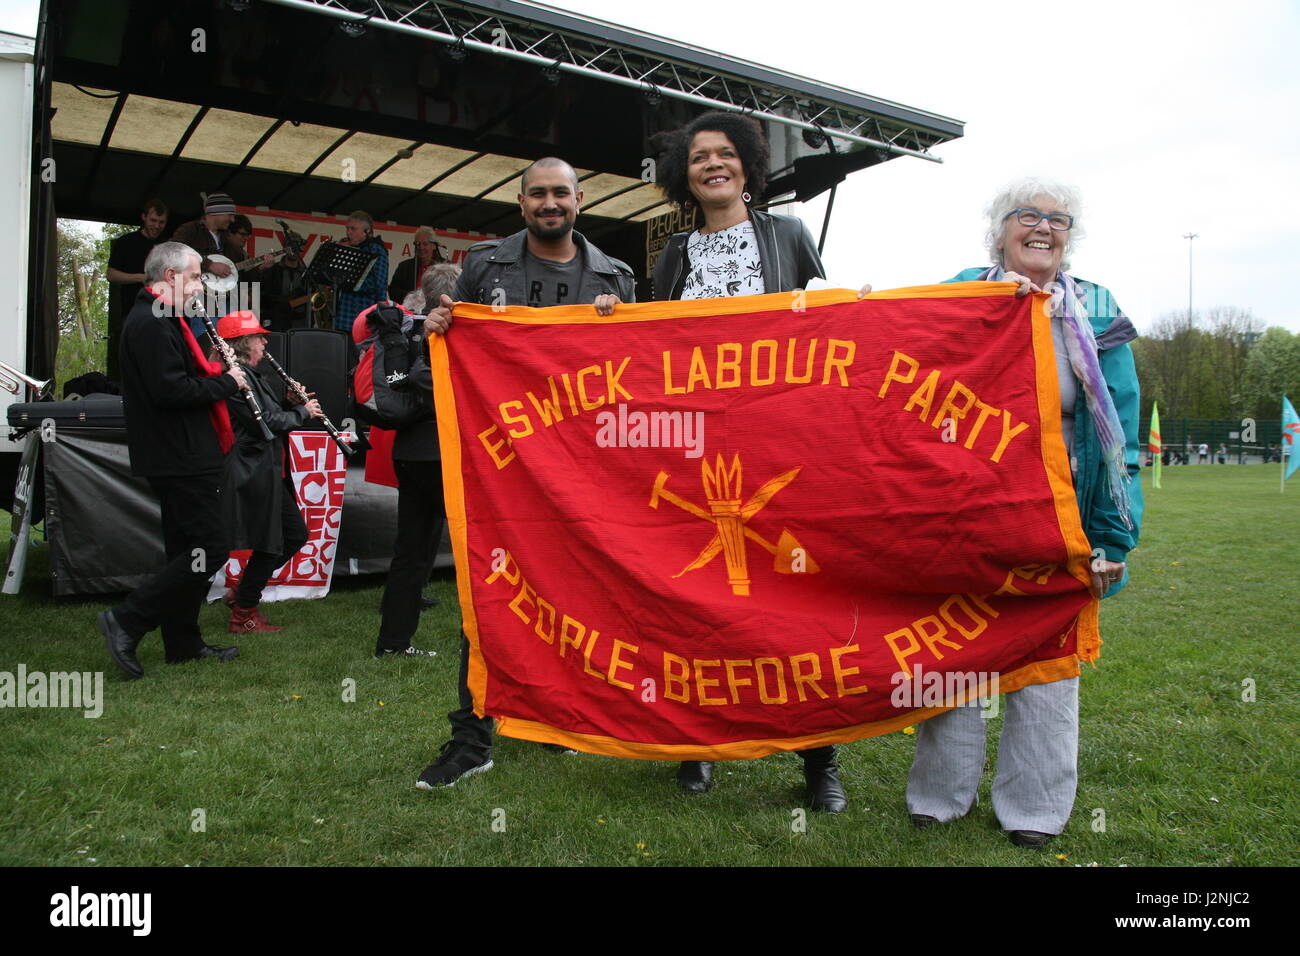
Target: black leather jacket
{"points": [[787, 251], [499, 264]]}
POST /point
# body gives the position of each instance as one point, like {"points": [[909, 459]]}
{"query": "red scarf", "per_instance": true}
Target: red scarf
{"points": [[218, 413]]}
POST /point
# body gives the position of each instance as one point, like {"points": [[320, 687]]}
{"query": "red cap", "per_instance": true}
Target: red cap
{"points": [[235, 324]]}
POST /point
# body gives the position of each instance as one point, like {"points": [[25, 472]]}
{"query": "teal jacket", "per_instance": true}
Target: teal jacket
{"points": [[1101, 521]]}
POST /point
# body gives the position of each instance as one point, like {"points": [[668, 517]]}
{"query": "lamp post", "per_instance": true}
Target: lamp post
{"points": [[1189, 236]]}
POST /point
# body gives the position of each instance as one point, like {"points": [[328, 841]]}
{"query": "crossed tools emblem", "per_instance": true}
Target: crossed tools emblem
{"points": [[730, 518]]}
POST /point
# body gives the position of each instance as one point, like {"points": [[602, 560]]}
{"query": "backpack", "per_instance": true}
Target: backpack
{"points": [[381, 390]]}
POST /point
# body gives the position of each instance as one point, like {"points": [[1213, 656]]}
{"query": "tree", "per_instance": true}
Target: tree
{"points": [[83, 297], [1272, 369]]}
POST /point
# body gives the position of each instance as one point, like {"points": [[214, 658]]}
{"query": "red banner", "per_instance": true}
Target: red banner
{"points": [[319, 476], [718, 529]]}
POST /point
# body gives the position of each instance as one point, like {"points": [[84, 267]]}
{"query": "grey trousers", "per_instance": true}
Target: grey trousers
{"points": [[1038, 760]]}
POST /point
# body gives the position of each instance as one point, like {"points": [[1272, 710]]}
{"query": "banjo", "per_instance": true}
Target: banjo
{"points": [[228, 282]]}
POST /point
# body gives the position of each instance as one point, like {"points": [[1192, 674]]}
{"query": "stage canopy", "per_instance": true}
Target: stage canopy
{"points": [[418, 112]]}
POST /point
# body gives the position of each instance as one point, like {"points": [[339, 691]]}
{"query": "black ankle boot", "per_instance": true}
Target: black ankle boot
{"points": [[695, 776], [821, 773]]}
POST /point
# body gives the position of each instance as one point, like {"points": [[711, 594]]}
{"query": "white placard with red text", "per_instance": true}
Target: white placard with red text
{"points": [[319, 475]]}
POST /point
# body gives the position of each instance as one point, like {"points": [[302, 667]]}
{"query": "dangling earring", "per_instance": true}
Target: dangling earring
{"points": [[745, 197], [688, 205]]}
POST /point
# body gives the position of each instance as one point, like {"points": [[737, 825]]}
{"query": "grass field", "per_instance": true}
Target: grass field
{"points": [[286, 773]]}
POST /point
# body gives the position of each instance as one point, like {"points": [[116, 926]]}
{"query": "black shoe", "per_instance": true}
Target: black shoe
{"points": [[821, 774], [559, 749], [456, 762], [209, 650], [923, 820], [427, 602], [695, 776], [121, 645], [1029, 839], [411, 651]]}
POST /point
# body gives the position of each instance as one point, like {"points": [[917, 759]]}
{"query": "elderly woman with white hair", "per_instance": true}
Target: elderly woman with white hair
{"points": [[409, 272], [1033, 225]]}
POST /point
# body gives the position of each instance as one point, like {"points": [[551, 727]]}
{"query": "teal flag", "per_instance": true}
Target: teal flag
{"points": [[1290, 437]]}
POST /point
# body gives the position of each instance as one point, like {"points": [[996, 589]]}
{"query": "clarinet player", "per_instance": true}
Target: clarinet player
{"points": [[261, 509], [178, 432]]}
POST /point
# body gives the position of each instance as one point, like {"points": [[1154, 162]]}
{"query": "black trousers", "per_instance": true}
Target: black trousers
{"points": [[195, 543], [420, 514], [467, 729], [262, 564]]}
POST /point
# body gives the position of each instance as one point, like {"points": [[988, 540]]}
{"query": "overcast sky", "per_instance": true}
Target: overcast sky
{"points": [[1169, 117]]}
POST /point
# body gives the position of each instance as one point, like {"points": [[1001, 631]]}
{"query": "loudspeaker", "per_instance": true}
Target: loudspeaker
{"points": [[321, 359]]}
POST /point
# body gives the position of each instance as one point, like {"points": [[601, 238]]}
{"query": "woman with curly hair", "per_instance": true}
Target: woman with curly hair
{"points": [[718, 164]]}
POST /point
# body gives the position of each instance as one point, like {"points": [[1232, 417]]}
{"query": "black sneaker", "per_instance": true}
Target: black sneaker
{"points": [[411, 651], [456, 761]]}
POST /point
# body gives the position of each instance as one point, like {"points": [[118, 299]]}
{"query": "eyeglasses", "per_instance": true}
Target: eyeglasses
{"points": [[1027, 216]]}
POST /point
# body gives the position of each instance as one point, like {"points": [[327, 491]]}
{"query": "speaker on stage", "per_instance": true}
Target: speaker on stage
{"points": [[320, 359]]}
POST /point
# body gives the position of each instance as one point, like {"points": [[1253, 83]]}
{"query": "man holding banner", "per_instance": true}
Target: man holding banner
{"points": [[547, 263]]}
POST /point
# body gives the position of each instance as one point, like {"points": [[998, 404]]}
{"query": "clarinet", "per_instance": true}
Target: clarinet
{"points": [[296, 387], [232, 361]]}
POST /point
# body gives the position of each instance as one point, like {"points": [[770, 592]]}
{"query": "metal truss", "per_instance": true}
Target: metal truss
{"points": [[503, 28]]}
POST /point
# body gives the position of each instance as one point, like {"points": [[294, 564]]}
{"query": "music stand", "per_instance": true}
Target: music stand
{"points": [[340, 266]]}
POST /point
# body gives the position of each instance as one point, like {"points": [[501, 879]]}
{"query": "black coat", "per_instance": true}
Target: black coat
{"points": [[255, 489], [165, 398], [404, 281]]}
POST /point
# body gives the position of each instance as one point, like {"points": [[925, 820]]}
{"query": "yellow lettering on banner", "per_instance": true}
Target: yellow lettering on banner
{"points": [[839, 364], [544, 605], [524, 590], [949, 407], [573, 405], [587, 403], [586, 655], [504, 571], [924, 395], [1008, 433], [985, 412], [790, 377], [702, 684], [571, 634], [811, 678], [893, 376], [616, 663], [493, 447], [893, 638], [770, 377], [615, 386], [676, 674], [764, 694], [521, 419], [548, 410], [842, 672], [932, 632], [976, 623], [669, 387], [699, 372], [734, 683], [730, 368], [982, 601], [903, 642]]}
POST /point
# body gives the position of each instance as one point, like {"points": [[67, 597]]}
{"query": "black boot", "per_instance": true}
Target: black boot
{"points": [[821, 773], [695, 776]]}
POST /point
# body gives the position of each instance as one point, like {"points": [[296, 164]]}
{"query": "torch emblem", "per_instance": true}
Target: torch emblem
{"points": [[730, 517]]}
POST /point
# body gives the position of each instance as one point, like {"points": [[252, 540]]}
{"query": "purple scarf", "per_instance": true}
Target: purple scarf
{"points": [[1081, 348]]}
